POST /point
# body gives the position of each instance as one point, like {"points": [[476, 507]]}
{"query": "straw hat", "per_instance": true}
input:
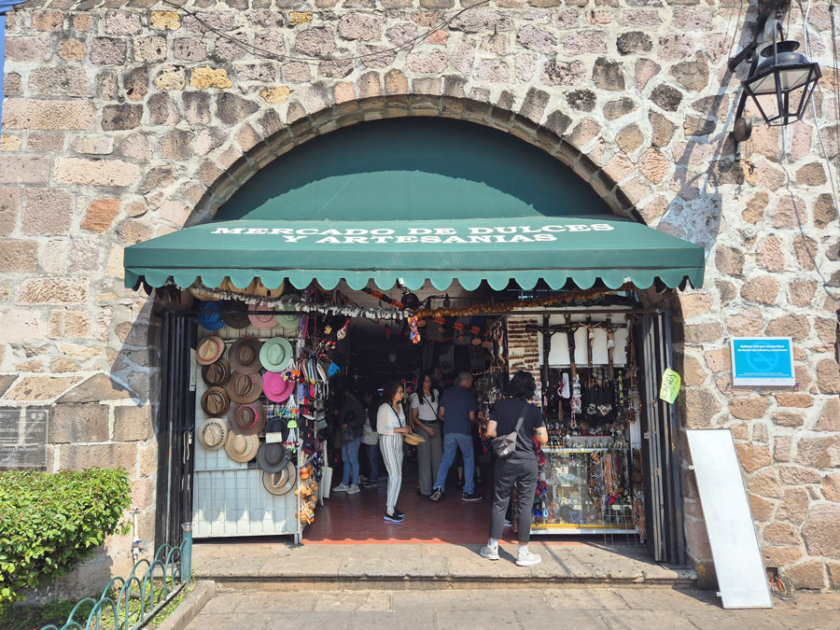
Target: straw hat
{"points": [[241, 448], [276, 387], [289, 302], [235, 314], [209, 349], [414, 438], [244, 355], [263, 321], [258, 288], [273, 457], [276, 354], [216, 373], [280, 483], [215, 401], [212, 433], [203, 293], [247, 419], [244, 388]]}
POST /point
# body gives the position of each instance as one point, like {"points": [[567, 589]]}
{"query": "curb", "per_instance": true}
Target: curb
{"points": [[190, 607]]}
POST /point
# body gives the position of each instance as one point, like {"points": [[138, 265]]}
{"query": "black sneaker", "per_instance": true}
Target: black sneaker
{"points": [[471, 498], [399, 513], [394, 518], [437, 495]]}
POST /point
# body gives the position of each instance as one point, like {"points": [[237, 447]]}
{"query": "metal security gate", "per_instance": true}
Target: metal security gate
{"points": [[660, 442], [175, 428]]}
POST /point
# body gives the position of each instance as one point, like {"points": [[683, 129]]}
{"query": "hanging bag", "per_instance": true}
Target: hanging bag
{"points": [[505, 445]]}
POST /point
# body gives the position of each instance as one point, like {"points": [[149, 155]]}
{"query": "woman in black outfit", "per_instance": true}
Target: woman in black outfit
{"points": [[519, 469]]}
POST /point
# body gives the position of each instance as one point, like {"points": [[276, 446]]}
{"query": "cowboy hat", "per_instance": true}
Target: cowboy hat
{"points": [[215, 401], [414, 438], [210, 316], [216, 373], [276, 387], [288, 303], [273, 457], [209, 349], [244, 355], [247, 419], [276, 354], [212, 433], [280, 483], [235, 314], [241, 448], [260, 318], [244, 388]]}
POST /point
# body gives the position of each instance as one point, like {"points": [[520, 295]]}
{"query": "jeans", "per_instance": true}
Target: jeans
{"points": [[453, 442], [373, 459], [350, 455]]}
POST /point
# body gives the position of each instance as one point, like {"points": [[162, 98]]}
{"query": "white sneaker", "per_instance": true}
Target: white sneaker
{"points": [[491, 553], [342, 487], [353, 490], [527, 559]]}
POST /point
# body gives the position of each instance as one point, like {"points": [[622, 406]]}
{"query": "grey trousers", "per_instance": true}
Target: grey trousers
{"points": [[391, 447], [428, 457]]}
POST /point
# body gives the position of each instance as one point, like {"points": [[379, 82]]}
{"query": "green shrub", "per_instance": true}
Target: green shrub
{"points": [[48, 522]]}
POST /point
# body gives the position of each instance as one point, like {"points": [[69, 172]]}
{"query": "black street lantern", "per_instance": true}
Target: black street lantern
{"points": [[783, 83]]}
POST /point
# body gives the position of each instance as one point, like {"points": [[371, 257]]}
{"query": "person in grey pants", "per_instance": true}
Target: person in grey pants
{"points": [[423, 419]]}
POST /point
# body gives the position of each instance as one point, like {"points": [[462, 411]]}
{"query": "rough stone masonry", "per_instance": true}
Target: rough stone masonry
{"points": [[125, 119]]}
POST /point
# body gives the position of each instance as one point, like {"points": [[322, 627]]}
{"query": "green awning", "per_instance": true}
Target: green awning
{"points": [[555, 249]]}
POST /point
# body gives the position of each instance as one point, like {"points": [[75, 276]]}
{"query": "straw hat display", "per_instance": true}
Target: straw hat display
{"points": [[209, 349], [212, 433], [276, 354], [273, 457], [216, 373], [244, 355], [262, 320], [244, 388], [203, 293], [241, 448], [215, 401], [247, 419], [258, 288], [414, 438], [282, 482]]}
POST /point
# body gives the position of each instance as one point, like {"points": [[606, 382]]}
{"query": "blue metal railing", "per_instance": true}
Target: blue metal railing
{"points": [[162, 579]]}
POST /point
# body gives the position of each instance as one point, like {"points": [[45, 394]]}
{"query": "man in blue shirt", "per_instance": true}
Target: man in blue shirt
{"points": [[457, 410]]}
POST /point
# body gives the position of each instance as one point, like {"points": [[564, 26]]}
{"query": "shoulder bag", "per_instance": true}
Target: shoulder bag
{"points": [[505, 445]]}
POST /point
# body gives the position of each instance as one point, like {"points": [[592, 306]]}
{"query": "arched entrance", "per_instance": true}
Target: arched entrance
{"points": [[426, 205]]}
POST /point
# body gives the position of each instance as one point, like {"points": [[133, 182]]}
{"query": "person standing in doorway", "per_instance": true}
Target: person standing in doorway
{"points": [[370, 438], [391, 426], [424, 420], [457, 411], [350, 422], [520, 469]]}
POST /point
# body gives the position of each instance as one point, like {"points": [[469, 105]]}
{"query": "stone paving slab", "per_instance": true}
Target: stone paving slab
{"points": [[289, 564], [634, 608]]}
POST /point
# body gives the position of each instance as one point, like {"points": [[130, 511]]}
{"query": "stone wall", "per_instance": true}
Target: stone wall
{"points": [[126, 119]]}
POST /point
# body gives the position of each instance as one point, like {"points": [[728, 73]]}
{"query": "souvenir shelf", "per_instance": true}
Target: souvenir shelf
{"points": [[583, 490]]}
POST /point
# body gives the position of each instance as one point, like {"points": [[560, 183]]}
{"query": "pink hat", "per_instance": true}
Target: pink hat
{"points": [[275, 387], [262, 320]]}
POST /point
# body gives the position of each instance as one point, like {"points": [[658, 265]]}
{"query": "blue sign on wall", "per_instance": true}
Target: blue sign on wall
{"points": [[762, 361]]}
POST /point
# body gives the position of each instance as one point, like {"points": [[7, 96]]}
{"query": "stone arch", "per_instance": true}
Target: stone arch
{"points": [[300, 127]]}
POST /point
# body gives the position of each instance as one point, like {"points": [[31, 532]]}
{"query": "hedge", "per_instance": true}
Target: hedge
{"points": [[48, 522]]}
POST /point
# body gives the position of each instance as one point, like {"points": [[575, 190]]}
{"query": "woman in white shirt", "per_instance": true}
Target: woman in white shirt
{"points": [[423, 419], [391, 425]]}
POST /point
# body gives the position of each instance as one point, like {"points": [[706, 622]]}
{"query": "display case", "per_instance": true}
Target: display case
{"points": [[584, 490]]}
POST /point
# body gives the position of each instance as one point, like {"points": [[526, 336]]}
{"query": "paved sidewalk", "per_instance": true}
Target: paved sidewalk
{"points": [[643, 608]]}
